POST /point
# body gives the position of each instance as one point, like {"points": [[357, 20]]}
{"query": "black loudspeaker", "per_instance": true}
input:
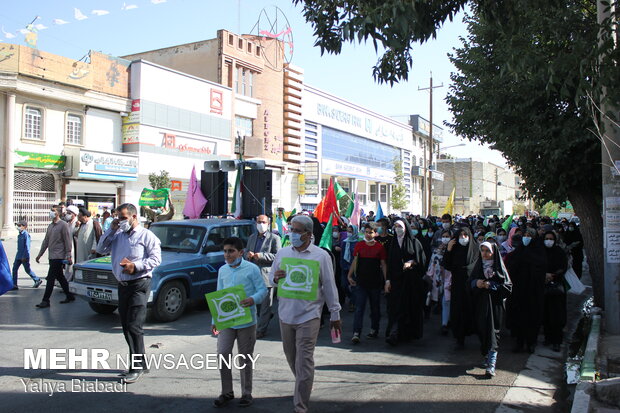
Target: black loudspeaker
{"points": [[256, 198], [214, 187]]}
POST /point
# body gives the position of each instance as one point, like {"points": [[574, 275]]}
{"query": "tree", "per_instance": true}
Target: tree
{"points": [[160, 180], [399, 191], [543, 131]]}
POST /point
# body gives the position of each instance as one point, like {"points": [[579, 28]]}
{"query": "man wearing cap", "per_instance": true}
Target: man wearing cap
{"points": [[59, 242], [23, 255]]}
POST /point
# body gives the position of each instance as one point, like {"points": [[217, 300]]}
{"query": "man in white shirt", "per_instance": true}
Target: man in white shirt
{"points": [[300, 319]]}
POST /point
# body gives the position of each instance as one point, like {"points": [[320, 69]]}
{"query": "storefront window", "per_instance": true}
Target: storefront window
{"points": [[343, 146], [383, 194], [373, 193]]}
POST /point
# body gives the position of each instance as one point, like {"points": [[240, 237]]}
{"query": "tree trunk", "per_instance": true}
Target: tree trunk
{"points": [[591, 227]]}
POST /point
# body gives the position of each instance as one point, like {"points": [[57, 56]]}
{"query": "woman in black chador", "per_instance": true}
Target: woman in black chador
{"points": [[459, 258], [554, 317], [405, 286], [489, 284]]}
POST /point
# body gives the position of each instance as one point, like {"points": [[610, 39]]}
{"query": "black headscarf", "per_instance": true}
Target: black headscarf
{"points": [[410, 247], [556, 257]]}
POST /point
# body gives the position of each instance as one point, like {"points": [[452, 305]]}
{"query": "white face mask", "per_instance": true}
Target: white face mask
{"points": [[400, 231], [125, 226], [464, 241], [52, 214], [335, 234], [262, 227], [445, 240], [527, 240], [549, 243], [445, 225]]}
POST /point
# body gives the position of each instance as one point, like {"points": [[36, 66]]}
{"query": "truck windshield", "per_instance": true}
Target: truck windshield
{"points": [[178, 237]]}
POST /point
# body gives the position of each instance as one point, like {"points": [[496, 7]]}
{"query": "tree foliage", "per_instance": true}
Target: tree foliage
{"points": [[159, 180], [542, 126], [399, 191]]}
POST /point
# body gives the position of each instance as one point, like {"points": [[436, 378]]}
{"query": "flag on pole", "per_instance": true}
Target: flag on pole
{"points": [[379, 213], [326, 238], [236, 202], [6, 278], [449, 209], [507, 223], [340, 192], [328, 205], [194, 201], [350, 207], [356, 214]]}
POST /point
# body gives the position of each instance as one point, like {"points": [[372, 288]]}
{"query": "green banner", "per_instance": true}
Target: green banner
{"points": [[154, 198], [225, 307], [302, 279], [39, 160], [103, 260]]}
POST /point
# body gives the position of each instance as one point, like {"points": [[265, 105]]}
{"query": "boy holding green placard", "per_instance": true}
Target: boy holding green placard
{"points": [[238, 272]]}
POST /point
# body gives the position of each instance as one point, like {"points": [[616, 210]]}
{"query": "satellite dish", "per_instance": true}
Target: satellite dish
{"points": [[273, 25]]}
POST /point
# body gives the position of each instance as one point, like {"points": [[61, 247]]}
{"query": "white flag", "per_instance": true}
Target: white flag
{"points": [[78, 14]]}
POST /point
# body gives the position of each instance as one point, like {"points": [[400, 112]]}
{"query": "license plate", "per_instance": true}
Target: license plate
{"points": [[99, 295]]}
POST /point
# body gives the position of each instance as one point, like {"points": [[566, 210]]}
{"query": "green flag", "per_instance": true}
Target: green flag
{"points": [[326, 239], [340, 192], [506, 225], [293, 212], [349, 211], [154, 198]]}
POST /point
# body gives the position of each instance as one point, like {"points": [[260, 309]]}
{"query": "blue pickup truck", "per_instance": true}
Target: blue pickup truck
{"points": [[191, 256]]}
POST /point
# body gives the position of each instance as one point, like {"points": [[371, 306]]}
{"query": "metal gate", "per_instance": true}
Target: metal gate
{"points": [[33, 196]]}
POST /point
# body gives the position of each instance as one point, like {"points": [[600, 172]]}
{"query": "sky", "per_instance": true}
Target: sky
{"points": [[124, 27]]}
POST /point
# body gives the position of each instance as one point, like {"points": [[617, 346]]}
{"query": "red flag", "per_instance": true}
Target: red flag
{"points": [[329, 204]]}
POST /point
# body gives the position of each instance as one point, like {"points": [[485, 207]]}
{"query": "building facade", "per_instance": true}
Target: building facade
{"points": [[61, 121], [478, 186]]}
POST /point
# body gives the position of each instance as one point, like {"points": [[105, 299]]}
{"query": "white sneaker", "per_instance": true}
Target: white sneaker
{"points": [[356, 338]]}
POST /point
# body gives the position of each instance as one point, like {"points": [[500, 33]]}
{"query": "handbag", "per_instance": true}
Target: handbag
{"points": [[574, 283]]}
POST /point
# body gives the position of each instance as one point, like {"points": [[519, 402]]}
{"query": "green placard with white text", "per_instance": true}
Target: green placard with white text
{"points": [[302, 279], [226, 309]]}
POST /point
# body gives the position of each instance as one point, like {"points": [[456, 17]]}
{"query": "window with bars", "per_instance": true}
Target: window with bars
{"points": [[74, 129], [33, 123]]}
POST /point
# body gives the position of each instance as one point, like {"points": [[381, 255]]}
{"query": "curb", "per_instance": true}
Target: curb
{"points": [[581, 400]]}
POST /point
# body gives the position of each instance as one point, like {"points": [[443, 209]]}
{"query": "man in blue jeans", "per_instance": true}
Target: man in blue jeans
{"points": [[23, 255], [370, 268]]}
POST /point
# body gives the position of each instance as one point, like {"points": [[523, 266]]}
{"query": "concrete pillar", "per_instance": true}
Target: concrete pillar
{"points": [[8, 227]]}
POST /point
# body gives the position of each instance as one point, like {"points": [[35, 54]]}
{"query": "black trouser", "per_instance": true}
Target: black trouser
{"points": [[132, 298], [56, 272]]}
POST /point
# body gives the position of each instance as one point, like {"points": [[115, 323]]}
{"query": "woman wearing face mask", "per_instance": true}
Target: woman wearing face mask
{"points": [[347, 246], [490, 284], [501, 236], [527, 266], [459, 258], [508, 246], [441, 281], [574, 245], [405, 286], [554, 317]]}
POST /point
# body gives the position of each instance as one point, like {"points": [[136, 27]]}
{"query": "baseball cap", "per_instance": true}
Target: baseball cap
{"points": [[21, 223]]}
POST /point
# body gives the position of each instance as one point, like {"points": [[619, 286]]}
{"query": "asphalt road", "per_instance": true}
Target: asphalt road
{"points": [[427, 375]]}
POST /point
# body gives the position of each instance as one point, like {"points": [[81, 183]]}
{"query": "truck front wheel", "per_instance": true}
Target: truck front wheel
{"points": [[171, 301]]}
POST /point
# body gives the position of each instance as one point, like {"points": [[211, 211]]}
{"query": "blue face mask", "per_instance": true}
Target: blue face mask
{"points": [[236, 262], [527, 240], [380, 230], [296, 240], [414, 232]]}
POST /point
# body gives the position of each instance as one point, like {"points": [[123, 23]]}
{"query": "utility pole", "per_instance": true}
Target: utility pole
{"points": [[429, 188]]}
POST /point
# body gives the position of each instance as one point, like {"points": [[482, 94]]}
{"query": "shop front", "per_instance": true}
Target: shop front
{"points": [[97, 179], [35, 187]]}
